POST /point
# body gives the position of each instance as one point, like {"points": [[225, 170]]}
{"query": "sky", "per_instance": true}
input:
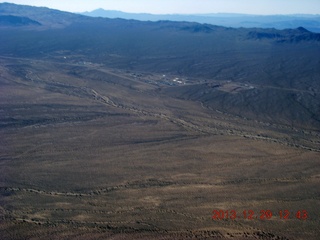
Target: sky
{"points": [[261, 7]]}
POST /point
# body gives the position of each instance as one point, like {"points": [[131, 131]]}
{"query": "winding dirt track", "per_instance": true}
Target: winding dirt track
{"points": [[91, 93]]}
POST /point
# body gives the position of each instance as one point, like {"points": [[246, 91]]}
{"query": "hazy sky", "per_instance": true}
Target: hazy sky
{"points": [[183, 6]]}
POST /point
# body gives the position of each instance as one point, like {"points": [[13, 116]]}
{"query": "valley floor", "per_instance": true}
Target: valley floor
{"points": [[90, 152]]}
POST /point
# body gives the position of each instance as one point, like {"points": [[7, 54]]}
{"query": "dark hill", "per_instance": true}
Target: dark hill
{"points": [[287, 35], [8, 20], [281, 66]]}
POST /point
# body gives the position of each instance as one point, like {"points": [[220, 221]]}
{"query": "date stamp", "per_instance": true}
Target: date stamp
{"points": [[265, 214]]}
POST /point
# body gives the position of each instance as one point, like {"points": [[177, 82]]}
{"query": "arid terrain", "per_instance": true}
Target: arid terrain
{"points": [[94, 150]]}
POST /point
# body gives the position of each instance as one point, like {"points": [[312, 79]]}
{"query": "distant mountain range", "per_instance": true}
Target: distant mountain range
{"points": [[310, 22]]}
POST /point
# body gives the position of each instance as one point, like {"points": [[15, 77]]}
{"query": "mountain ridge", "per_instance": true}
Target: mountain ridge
{"points": [[45, 16]]}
